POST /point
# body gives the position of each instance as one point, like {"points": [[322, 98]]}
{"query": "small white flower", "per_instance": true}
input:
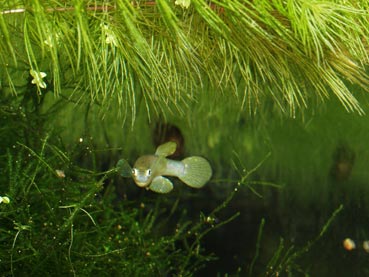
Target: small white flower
{"points": [[183, 3], [60, 173], [37, 78], [110, 37], [52, 40], [4, 199]]}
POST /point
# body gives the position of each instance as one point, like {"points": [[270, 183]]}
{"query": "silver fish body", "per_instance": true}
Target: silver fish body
{"points": [[148, 170], [147, 167]]}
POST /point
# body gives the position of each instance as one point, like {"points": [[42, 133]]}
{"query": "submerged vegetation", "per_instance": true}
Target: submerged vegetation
{"points": [[61, 217], [162, 53], [244, 84]]}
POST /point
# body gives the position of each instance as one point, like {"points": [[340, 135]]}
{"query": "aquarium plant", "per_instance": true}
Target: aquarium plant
{"points": [[265, 99]]}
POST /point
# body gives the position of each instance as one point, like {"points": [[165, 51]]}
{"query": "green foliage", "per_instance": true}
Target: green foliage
{"points": [[162, 54], [201, 68], [69, 225], [66, 218], [286, 259]]}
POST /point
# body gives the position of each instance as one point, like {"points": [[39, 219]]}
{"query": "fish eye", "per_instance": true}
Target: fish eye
{"points": [[148, 172], [134, 171]]}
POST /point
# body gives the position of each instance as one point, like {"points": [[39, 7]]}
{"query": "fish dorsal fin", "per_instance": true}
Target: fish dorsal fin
{"points": [[166, 149], [161, 185], [124, 168]]}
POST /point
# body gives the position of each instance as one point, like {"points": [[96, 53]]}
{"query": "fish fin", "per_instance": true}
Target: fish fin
{"points": [[124, 168], [161, 185], [166, 149], [197, 172]]}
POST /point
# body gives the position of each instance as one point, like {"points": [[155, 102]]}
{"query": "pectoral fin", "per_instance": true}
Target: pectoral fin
{"points": [[161, 185], [124, 168], [166, 149]]}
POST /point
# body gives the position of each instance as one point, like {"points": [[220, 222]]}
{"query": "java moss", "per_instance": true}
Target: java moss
{"points": [[69, 231], [66, 219]]}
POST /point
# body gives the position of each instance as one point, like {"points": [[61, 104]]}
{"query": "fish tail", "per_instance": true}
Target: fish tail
{"points": [[197, 171]]}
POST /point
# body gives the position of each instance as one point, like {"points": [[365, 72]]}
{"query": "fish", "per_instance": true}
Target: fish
{"points": [[148, 170]]}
